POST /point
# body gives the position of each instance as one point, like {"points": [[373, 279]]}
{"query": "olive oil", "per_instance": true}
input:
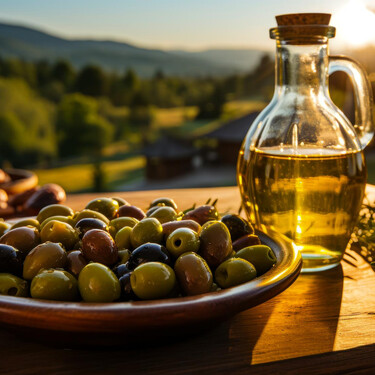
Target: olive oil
{"points": [[313, 199]]}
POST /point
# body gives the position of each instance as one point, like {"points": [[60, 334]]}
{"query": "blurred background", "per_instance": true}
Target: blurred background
{"points": [[131, 95]]}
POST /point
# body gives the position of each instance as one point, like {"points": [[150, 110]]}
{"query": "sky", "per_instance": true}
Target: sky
{"points": [[189, 24]]}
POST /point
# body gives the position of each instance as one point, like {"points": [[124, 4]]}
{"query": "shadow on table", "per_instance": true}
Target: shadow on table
{"points": [[304, 320], [220, 350]]}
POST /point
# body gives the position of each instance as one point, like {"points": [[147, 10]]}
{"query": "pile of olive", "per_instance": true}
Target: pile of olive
{"points": [[114, 251]]}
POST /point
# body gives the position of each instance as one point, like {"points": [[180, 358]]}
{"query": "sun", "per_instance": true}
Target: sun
{"points": [[355, 24]]}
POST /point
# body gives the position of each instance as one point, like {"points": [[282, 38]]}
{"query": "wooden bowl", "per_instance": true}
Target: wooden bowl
{"points": [[21, 181], [70, 324]]}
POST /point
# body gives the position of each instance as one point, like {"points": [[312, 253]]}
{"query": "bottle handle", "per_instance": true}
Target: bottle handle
{"points": [[363, 126]]}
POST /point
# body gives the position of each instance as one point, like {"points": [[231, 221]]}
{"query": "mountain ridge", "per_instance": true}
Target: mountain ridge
{"points": [[31, 44]]}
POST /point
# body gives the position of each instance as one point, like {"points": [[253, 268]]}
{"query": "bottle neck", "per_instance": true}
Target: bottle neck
{"points": [[302, 68]]}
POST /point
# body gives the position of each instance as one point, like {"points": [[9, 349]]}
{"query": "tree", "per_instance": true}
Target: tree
{"points": [[141, 114], [211, 106], [159, 75], [99, 177], [36, 118], [123, 88], [43, 72], [63, 72], [12, 138], [80, 129], [92, 81], [131, 80]]}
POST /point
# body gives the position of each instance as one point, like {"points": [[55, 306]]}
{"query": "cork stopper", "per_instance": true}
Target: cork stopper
{"points": [[303, 28], [303, 19]]}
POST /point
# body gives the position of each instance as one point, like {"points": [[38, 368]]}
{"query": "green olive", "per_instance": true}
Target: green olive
{"points": [[97, 283], [231, 255], [181, 241], [25, 223], [57, 231], [152, 280], [153, 209], [89, 214], [64, 219], [233, 272], [260, 256], [147, 230], [11, 285], [122, 238], [164, 202], [4, 227], [121, 201], [54, 210], [216, 243], [193, 274], [106, 206], [23, 239], [116, 224], [58, 285], [164, 214], [124, 255], [46, 255]]}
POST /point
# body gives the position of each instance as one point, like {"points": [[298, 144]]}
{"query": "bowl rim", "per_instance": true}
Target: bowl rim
{"points": [[104, 317]]}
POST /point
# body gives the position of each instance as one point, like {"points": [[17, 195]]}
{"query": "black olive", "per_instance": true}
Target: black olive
{"points": [[148, 252], [121, 270], [238, 227], [10, 260], [86, 224], [126, 288]]}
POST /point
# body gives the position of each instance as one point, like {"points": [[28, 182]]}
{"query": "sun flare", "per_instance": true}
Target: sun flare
{"points": [[355, 24]]}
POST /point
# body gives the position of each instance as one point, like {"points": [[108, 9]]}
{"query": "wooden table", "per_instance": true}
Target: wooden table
{"points": [[324, 323]]}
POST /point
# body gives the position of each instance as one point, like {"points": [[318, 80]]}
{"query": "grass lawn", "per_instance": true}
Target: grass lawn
{"points": [[79, 177], [171, 117], [181, 120]]}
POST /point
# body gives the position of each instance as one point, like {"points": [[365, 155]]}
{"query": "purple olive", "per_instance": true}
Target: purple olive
{"points": [[131, 211], [202, 214], [98, 246], [245, 241], [76, 261]]}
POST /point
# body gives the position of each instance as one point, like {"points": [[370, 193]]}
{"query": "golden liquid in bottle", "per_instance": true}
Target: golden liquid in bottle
{"points": [[313, 199]]}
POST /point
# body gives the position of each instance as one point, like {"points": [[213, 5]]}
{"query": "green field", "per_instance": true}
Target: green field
{"points": [[79, 177], [121, 162]]}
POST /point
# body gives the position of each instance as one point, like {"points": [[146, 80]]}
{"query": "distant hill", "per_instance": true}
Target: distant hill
{"points": [[31, 45], [242, 60]]}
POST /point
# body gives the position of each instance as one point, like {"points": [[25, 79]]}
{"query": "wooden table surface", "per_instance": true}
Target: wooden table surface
{"points": [[324, 323]]}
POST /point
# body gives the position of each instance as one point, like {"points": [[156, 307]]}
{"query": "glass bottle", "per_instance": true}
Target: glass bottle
{"points": [[301, 170]]}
